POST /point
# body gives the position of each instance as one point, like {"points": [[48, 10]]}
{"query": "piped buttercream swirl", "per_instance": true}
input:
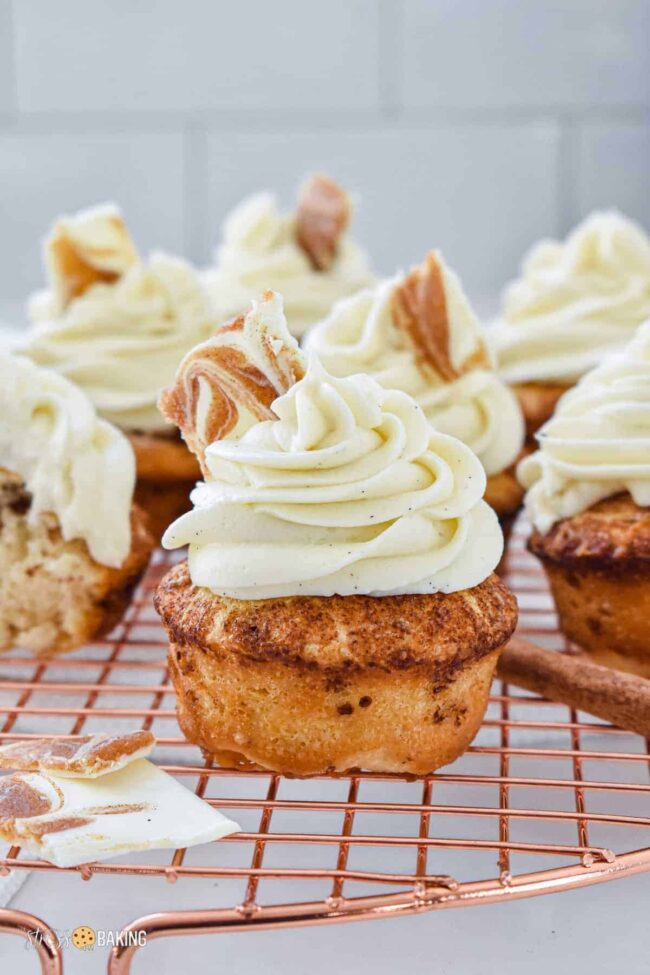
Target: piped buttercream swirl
{"points": [[575, 302], [347, 489], [262, 250], [418, 333], [598, 442], [122, 336], [74, 464]]}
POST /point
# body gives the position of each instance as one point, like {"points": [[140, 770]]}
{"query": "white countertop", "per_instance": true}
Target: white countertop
{"points": [[601, 930]]}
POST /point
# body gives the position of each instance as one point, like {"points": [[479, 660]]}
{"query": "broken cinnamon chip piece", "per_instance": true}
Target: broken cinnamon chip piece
{"points": [[228, 383], [70, 821], [92, 247], [322, 216], [421, 310], [87, 757]]}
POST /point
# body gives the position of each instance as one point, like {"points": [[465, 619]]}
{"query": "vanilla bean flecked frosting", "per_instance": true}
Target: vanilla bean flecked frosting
{"points": [[575, 302], [418, 333], [306, 255], [598, 442], [345, 489], [113, 324], [73, 464]]}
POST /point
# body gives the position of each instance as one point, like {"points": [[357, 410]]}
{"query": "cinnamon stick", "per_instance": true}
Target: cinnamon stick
{"points": [[620, 698]]}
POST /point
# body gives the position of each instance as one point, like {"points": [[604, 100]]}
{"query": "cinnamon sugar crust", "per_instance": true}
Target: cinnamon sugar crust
{"points": [[342, 634], [612, 536]]}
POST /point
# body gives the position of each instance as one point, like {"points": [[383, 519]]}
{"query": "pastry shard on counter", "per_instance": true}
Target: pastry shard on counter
{"points": [[79, 813], [84, 758]]}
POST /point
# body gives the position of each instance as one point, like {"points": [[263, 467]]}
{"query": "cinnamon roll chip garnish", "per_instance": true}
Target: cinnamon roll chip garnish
{"points": [[90, 248], [420, 311], [86, 757], [231, 380], [322, 216]]}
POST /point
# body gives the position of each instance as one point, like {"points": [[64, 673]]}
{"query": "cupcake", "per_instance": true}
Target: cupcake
{"points": [[306, 255], [338, 607], [72, 544], [118, 327], [588, 499], [575, 303], [418, 333]]}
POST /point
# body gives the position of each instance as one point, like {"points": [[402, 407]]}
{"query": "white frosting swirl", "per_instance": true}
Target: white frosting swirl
{"points": [[575, 302], [360, 335], [74, 464], [348, 491], [597, 443], [259, 253], [121, 342]]}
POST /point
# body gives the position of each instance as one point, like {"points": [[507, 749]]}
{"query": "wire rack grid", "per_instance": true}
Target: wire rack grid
{"points": [[545, 798]]}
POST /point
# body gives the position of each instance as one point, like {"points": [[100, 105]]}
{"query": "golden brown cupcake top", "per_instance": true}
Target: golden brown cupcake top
{"points": [[613, 535], [339, 634]]}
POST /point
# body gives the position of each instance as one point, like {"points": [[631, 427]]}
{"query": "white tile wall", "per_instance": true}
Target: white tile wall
{"points": [[415, 187], [476, 125], [6, 59], [123, 55], [42, 176], [613, 167], [526, 53]]}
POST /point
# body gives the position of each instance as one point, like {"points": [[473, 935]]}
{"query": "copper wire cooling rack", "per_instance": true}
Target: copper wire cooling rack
{"points": [[544, 800]]}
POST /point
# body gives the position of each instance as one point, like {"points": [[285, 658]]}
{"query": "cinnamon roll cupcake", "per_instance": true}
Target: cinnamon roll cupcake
{"points": [[118, 327], [575, 302], [418, 333], [306, 255], [338, 608], [72, 544], [589, 501]]}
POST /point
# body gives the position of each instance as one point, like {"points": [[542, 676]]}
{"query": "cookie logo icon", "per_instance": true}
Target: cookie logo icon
{"points": [[83, 937]]}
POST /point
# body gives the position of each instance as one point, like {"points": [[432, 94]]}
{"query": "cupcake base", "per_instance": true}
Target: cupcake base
{"points": [[167, 472], [311, 685], [53, 596], [598, 567], [538, 402]]}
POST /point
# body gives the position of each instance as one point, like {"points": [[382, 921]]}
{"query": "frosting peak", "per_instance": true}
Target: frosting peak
{"points": [[418, 333], [597, 443], [306, 256], [73, 464], [122, 338], [344, 489], [575, 301]]}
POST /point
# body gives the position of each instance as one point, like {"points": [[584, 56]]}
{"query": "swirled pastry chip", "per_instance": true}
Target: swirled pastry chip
{"points": [[228, 383], [87, 757], [70, 821], [92, 247], [321, 219], [421, 311]]}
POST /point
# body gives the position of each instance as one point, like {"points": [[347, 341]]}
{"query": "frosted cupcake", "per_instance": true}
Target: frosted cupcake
{"points": [[72, 544], [418, 333], [588, 499], [575, 302], [338, 608], [307, 255], [118, 326]]}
